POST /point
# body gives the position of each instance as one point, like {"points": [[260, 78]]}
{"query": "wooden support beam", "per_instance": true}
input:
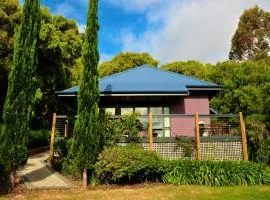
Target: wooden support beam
{"points": [[52, 139], [197, 136], [150, 131], [244, 137], [85, 178]]}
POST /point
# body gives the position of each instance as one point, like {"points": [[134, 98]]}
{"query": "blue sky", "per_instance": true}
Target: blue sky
{"points": [[170, 30]]}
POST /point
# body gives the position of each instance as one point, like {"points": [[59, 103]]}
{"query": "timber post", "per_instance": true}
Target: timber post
{"points": [[52, 139], [197, 134], [244, 137], [150, 131], [85, 178]]}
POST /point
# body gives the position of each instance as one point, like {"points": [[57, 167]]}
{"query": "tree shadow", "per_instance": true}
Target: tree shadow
{"points": [[38, 174]]}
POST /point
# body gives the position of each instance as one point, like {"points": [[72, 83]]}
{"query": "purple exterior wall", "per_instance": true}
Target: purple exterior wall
{"points": [[185, 125]]}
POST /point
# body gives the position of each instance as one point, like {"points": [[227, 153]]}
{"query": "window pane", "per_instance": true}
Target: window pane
{"points": [[156, 110], [157, 122], [167, 133], [126, 110], [166, 122], [141, 111], [166, 110], [111, 111]]}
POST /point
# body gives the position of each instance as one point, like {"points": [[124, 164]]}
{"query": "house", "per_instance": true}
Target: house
{"points": [[171, 97]]}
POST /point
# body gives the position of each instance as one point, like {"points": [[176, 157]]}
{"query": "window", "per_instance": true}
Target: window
{"points": [[161, 118], [126, 110], [141, 110], [111, 111]]}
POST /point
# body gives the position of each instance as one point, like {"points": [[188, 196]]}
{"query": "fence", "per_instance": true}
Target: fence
{"points": [[201, 137]]}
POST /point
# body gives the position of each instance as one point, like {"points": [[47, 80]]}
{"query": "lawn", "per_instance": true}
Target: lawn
{"points": [[144, 192]]}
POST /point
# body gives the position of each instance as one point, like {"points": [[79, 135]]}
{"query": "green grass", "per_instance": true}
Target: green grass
{"points": [[152, 192]]}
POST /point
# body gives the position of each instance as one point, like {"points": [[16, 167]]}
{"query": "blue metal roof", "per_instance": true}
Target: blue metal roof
{"points": [[147, 80]]}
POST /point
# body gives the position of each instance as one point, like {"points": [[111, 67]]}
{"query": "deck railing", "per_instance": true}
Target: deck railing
{"points": [[205, 129]]}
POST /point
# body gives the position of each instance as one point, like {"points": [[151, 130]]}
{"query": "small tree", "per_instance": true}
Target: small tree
{"points": [[85, 146], [21, 89]]}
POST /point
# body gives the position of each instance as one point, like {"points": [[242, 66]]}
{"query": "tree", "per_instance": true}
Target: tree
{"points": [[21, 89], [9, 19], [124, 61], [85, 146], [60, 46], [190, 68], [251, 39]]}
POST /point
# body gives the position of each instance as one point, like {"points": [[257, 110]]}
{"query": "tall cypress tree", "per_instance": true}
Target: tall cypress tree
{"points": [[85, 144], [21, 88]]}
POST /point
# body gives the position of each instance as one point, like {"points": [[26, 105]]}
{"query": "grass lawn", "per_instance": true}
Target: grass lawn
{"points": [[143, 192]]}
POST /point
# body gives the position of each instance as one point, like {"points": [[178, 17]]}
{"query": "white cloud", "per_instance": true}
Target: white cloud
{"points": [[105, 57], [82, 28], [195, 29]]}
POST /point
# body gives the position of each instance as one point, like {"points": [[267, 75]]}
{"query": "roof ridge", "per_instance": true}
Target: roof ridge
{"points": [[125, 71], [178, 74]]}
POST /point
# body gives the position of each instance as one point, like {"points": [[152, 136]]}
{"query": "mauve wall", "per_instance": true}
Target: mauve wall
{"points": [[185, 125]]}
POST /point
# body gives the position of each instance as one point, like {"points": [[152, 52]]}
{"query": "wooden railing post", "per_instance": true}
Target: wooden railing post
{"points": [[197, 134], [150, 131], [244, 137], [85, 178], [52, 139]]}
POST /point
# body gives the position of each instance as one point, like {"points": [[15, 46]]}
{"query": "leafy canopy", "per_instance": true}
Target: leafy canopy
{"points": [[124, 61]]}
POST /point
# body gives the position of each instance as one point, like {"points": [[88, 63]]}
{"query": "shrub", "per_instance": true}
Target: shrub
{"points": [[216, 173], [130, 164], [38, 138], [61, 147]]}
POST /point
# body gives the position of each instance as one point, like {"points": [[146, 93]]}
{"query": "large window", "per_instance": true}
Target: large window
{"points": [[161, 118]]}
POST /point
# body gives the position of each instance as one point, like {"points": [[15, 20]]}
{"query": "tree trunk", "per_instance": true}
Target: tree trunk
{"points": [[84, 178]]}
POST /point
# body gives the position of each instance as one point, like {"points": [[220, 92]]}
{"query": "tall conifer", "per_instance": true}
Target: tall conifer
{"points": [[21, 88], [86, 136]]}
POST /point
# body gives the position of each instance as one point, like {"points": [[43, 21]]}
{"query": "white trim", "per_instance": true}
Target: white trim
{"points": [[73, 95], [204, 89], [145, 94]]}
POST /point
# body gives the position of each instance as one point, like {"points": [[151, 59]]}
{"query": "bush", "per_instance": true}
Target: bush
{"points": [[130, 164], [216, 173], [38, 138]]}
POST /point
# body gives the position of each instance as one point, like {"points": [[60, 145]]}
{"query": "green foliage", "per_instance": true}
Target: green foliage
{"points": [[130, 164], [214, 173], [190, 68], [86, 139], [187, 144], [124, 61], [258, 140], [131, 127], [38, 138], [22, 86], [9, 19], [251, 39], [111, 130], [60, 46]]}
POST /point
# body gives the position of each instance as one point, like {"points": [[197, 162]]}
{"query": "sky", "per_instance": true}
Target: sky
{"points": [[169, 30]]}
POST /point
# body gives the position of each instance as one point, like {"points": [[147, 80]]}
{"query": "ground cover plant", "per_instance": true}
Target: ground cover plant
{"points": [[216, 173]]}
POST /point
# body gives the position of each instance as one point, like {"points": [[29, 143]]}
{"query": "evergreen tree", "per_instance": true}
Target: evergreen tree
{"points": [[21, 88], [251, 39], [85, 146]]}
